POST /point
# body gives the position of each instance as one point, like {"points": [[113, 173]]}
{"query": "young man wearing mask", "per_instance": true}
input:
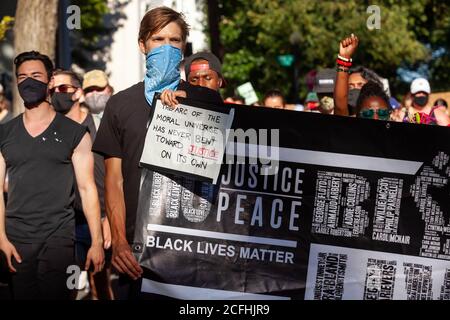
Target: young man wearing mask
{"points": [[121, 135], [421, 112], [97, 92], [203, 69], [44, 151], [120, 139], [65, 87]]}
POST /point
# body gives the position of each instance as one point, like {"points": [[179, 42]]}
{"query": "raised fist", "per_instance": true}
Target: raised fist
{"points": [[348, 46]]}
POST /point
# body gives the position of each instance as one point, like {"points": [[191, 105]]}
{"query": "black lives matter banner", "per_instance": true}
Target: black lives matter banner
{"points": [[357, 209]]}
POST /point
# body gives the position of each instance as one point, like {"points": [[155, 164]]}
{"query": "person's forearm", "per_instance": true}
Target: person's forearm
{"points": [[115, 208], [2, 218], [91, 208], [341, 94]]}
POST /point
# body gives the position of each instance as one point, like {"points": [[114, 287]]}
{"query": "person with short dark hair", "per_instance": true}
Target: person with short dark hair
{"points": [[440, 102], [66, 92], [34, 56], [373, 103], [274, 99], [203, 69], [44, 152]]}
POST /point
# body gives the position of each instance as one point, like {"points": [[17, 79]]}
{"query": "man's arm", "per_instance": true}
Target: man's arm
{"points": [[122, 259], [7, 247], [83, 164], [346, 49]]}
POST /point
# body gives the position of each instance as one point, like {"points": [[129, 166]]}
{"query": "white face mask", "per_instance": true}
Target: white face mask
{"points": [[97, 102]]}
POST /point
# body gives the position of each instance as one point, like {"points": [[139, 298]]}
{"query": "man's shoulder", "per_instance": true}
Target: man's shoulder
{"points": [[123, 98], [10, 126], [13, 122], [68, 124]]}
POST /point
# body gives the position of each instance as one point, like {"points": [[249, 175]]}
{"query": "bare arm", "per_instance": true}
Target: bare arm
{"points": [[346, 49], [7, 247], [122, 259], [83, 164], [442, 118], [2, 200], [341, 94]]}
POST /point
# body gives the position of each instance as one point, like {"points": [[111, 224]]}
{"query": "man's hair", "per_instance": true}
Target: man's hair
{"points": [[367, 74], [156, 19], [440, 102], [74, 78], [273, 94], [371, 89], [34, 55]]}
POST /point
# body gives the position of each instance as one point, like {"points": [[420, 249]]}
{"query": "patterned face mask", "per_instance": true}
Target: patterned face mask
{"points": [[163, 70]]}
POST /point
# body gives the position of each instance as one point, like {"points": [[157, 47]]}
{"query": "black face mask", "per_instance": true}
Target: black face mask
{"points": [[353, 95], [33, 92], [62, 102], [421, 101]]}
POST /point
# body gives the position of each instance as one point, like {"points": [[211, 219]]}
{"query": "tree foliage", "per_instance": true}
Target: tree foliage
{"points": [[99, 21], [87, 41], [5, 25], [254, 33]]}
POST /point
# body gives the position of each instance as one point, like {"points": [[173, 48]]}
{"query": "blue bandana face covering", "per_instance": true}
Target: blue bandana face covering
{"points": [[163, 70]]}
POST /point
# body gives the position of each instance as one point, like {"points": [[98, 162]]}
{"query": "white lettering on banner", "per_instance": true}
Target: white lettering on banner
{"points": [[266, 255], [380, 279], [277, 211], [177, 244], [436, 241], [252, 176], [219, 249], [337, 205]]}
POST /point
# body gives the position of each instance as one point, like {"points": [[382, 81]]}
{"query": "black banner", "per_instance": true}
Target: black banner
{"points": [[356, 209]]}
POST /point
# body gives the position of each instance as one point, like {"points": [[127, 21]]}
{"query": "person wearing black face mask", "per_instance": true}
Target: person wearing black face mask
{"points": [[350, 80], [421, 112], [66, 93], [44, 153], [65, 90]]}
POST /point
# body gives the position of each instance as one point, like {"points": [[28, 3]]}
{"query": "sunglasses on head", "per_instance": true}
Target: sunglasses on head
{"points": [[369, 113], [64, 88]]}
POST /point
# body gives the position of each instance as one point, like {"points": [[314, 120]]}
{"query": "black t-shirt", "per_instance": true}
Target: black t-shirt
{"points": [[99, 176], [122, 135], [41, 179]]}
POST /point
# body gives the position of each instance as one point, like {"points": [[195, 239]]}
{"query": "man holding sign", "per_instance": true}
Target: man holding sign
{"points": [[121, 135]]}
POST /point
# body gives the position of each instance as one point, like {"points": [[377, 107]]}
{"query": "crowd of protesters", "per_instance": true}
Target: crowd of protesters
{"points": [[69, 165]]}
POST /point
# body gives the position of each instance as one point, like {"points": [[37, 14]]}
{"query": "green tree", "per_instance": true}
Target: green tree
{"points": [[99, 21], [254, 33], [5, 25]]}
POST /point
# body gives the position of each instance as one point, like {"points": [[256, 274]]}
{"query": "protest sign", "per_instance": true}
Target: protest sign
{"points": [[186, 139], [353, 210]]}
